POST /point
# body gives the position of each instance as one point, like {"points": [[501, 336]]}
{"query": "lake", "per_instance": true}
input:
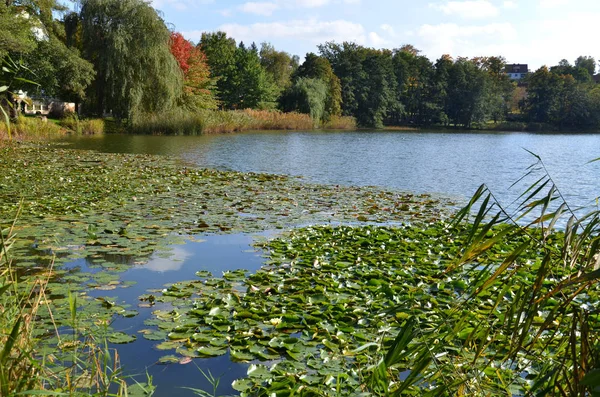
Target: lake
{"points": [[448, 164]]}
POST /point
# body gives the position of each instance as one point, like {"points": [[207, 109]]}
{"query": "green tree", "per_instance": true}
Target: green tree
{"points": [[316, 67], [249, 86], [220, 52], [439, 87], [498, 89], [367, 81], [543, 92], [579, 73], [415, 90], [16, 31], [128, 43], [279, 66], [62, 73], [467, 87], [587, 63], [307, 95]]}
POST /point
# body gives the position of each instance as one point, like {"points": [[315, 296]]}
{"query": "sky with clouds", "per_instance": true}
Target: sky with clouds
{"points": [[537, 32]]}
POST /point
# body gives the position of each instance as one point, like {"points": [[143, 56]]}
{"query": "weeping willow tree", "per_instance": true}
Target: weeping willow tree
{"points": [[128, 43]]}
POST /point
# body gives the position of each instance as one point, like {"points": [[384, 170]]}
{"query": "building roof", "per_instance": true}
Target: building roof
{"points": [[517, 68]]}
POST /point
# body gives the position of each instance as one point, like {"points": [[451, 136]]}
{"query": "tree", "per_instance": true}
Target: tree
{"points": [[316, 67], [587, 63], [60, 71], [367, 80], [498, 90], [542, 95], [414, 75], [249, 87], [279, 66], [198, 86], [128, 43], [220, 53], [466, 92], [579, 73], [16, 31], [307, 95]]}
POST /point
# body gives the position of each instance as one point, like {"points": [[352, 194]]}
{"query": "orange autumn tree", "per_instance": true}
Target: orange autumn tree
{"points": [[199, 87]]}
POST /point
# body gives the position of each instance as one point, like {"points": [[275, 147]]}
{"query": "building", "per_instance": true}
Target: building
{"points": [[43, 105], [517, 71]]}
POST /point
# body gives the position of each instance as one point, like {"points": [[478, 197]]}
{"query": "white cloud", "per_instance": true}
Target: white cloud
{"points": [[377, 41], [471, 9], [450, 38], [509, 5], [174, 262], [388, 29], [266, 8], [259, 8], [311, 30]]}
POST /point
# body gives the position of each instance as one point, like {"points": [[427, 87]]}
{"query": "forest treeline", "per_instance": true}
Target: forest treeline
{"points": [[119, 57]]}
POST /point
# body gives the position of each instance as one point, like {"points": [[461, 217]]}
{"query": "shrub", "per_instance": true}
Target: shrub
{"points": [[83, 127], [340, 123]]}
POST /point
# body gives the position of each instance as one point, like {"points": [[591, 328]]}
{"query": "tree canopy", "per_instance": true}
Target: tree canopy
{"points": [[128, 43], [199, 87]]}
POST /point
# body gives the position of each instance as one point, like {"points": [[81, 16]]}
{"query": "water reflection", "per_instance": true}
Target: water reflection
{"points": [[214, 253], [168, 262]]}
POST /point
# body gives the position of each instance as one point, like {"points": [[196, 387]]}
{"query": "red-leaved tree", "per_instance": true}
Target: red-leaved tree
{"points": [[198, 85]]}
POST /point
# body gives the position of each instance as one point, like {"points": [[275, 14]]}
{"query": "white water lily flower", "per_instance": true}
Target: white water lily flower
{"points": [[275, 321]]}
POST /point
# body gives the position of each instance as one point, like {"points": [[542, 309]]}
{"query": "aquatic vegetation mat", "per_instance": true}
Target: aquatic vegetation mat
{"points": [[113, 211], [95, 204], [334, 303]]}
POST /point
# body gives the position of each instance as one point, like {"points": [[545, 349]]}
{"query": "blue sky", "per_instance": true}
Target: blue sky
{"points": [[536, 32]]}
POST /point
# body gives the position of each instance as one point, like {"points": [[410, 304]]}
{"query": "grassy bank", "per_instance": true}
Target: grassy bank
{"points": [[213, 122], [170, 123], [26, 128]]}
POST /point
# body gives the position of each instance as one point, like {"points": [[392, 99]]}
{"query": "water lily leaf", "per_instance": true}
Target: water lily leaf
{"points": [[168, 360], [168, 345], [121, 338], [212, 351], [258, 371], [242, 385], [241, 356]]}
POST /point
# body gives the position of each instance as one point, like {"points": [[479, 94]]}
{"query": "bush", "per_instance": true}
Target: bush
{"points": [[83, 127], [340, 123]]}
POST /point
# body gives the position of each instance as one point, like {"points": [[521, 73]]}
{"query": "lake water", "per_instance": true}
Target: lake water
{"points": [[449, 164]]}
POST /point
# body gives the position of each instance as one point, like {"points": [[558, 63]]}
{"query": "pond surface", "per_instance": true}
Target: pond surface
{"points": [[449, 163], [213, 253]]}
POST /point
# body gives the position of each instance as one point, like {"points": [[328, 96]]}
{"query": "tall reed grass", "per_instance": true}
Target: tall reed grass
{"points": [[340, 123], [180, 122], [30, 128], [530, 324], [18, 307]]}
